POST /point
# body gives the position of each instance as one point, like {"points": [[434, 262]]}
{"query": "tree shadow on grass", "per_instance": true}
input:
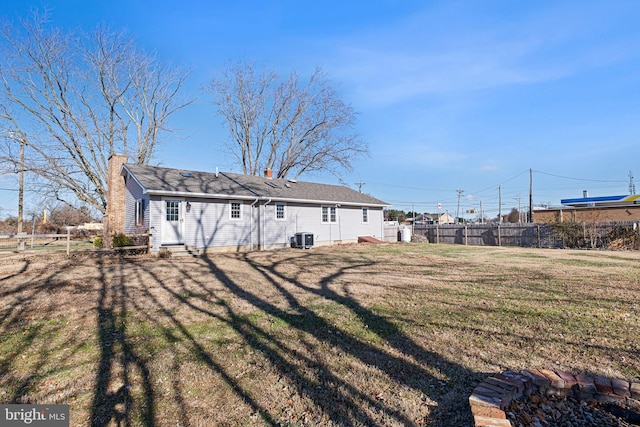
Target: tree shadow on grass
{"points": [[44, 360], [278, 354], [118, 358], [197, 348], [410, 366], [30, 332], [249, 297], [126, 389], [245, 294]]}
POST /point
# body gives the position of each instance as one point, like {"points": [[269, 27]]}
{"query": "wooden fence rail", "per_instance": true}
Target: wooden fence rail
{"points": [[15, 243]]}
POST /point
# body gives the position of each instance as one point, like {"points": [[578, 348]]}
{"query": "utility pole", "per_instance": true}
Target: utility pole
{"points": [[499, 204], [458, 211], [530, 219], [481, 213], [360, 185], [632, 186], [21, 184]]}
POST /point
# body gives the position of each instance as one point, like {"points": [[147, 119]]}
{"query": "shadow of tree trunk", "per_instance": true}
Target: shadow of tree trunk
{"points": [[113, 400]]}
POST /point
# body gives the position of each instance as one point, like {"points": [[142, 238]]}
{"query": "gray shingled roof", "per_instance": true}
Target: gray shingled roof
{"points": [[166, 181]]}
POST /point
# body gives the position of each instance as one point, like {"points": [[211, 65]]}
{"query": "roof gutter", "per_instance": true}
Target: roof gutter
{"points": [[269, 199], [251, 222], [264, 223]]}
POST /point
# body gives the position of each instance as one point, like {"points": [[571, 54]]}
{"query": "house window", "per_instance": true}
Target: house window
{"points": [[329, 214], [280, 212], [173, 208], [365, 215], [140, 212], [235, 210]]}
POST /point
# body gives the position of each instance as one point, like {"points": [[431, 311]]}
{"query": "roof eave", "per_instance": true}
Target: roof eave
{"points": [[123, 168], [273, 199]]}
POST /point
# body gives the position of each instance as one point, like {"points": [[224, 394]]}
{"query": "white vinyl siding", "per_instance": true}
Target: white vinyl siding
{"points": [[208, 224], [136, 218]]}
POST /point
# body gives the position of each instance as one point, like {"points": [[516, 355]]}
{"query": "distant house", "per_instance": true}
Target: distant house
{"points": [[221, 211], [444, 218], [420, 220]]}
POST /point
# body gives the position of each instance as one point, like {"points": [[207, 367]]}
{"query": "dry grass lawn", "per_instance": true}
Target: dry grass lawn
{"points": [[345, 335]]}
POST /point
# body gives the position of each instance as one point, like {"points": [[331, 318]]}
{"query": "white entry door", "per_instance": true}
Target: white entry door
{"points": [[172, 222]]}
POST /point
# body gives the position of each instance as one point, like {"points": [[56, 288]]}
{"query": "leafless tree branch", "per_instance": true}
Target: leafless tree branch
{"points": [[287, 125], [75, 99]]}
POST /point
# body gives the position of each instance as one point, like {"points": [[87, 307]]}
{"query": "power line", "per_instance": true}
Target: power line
{"points": [[409, 188], [500, 183], [578, 179]]}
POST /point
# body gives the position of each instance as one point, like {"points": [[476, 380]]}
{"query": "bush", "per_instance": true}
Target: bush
{"points": [[571, 233], [97, 242], [120, 240]]}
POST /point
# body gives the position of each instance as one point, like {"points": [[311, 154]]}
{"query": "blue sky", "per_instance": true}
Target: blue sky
{"points": [[451, 95]]}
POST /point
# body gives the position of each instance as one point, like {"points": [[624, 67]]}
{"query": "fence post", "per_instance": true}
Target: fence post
{"points": [[438, 232], [33, 229], [68, 240], [539, 242], [148, 243], [21, 241], [499, 237], [465, 235]]}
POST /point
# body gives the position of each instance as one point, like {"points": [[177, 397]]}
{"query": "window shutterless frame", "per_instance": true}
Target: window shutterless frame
{"points": [[329, 214], [139, 220], [235, 210]]}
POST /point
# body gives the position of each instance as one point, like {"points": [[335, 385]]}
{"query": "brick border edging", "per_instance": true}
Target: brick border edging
{"points": [[493, 396]]}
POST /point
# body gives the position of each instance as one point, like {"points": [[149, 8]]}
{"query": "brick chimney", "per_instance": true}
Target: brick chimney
{"points": [[268, 173], [114, 218]]}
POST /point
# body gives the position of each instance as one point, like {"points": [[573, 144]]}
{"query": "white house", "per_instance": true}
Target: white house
{"points": [[224, 211]]}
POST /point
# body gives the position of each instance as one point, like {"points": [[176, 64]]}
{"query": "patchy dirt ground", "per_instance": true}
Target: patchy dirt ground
{"points": [[348, 335]]}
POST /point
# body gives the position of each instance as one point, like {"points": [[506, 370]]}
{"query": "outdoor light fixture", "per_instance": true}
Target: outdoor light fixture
{"points": [[188, 207]]}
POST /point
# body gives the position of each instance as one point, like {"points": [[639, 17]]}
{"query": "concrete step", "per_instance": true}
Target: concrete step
{"points": [[178, 251]]}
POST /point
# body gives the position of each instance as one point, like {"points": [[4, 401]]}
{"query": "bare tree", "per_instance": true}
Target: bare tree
{"points": [[63, 214], [74, 99], [513, 216], [290, 126]]}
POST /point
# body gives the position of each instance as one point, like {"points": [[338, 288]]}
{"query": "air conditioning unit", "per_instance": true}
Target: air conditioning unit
{"points": [[303, 240]]}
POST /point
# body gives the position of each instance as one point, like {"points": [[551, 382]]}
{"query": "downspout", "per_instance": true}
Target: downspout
{"points": [[251, 222], [264, 223]]}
